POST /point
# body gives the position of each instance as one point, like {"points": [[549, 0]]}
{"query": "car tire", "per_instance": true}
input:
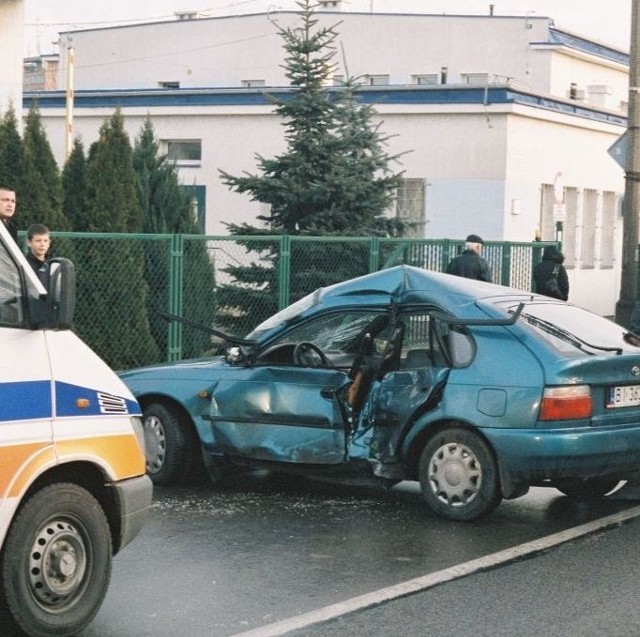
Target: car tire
{"points": [[169, 446], [458, 475], [586, 488], [56, 563]]}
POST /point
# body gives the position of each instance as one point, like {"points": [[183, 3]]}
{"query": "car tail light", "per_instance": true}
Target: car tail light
{"points": [[566, 403]]}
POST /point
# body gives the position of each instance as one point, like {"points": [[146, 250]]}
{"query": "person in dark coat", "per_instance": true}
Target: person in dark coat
{"points": [[470, 264], [550, 276]]}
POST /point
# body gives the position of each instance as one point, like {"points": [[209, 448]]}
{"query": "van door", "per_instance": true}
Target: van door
{"points": [[26, 393]]}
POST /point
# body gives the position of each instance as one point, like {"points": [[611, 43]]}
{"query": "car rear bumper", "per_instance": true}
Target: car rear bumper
{"points": [[530, 454]]}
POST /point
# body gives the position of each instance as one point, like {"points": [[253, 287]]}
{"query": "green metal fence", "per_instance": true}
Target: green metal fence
{"points": [[126, 281]]}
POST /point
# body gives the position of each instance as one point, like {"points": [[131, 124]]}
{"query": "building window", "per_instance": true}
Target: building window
{"points": [[184, 151], [377, 80], [477, 79], [610, 206], [428, 79], [410, 207], [570, 226], [169, 84], [589, 215], [252, 83], [560, 206]]}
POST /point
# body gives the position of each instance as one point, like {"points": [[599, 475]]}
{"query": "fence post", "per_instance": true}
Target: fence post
{"points": [[446, 255], [374, 254], [284, 272], [176, 265], [505, 275]]}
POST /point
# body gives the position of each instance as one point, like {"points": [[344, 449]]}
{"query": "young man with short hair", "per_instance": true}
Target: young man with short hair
{"points": [[39, 242]]}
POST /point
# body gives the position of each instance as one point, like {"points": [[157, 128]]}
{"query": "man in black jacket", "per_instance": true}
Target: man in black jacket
{"points": [[8, 209], [470, 264]]}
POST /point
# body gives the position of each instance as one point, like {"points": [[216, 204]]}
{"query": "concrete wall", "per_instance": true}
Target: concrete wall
{"points": [[222, 52]]}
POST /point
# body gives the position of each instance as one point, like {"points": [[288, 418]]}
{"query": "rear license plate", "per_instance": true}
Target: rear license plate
{"points": [[624, 396]]}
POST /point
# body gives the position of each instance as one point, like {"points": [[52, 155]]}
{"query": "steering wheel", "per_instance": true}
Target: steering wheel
{"points": [[309, 355]]}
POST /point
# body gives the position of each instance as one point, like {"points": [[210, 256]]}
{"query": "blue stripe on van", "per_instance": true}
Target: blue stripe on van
{"points": [[99, 403], [25, 400]]}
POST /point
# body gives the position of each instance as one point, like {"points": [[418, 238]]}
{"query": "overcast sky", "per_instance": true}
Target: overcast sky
{"points": [[608, 21]]}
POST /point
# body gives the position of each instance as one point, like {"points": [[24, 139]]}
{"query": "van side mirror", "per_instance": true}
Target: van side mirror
{"points": [[61, 293]]}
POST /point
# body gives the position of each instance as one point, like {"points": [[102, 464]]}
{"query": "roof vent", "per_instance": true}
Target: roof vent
{"points": [[186, 15]]}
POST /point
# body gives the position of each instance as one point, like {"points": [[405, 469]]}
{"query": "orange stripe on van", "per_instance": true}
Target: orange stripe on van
{"points": [[20, 464], [121, 453]]}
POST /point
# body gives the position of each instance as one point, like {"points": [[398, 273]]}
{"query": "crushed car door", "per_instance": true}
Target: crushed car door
{"points": [[413, 384], [291, 406]]}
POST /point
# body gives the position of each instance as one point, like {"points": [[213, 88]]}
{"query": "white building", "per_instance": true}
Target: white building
{"points": [[507, 119], [11, 36]]}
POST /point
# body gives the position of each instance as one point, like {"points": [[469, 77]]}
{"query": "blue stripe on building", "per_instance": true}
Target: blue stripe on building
{"points": [[374, 95]]}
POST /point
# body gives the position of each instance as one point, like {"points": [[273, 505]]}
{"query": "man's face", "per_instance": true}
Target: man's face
{"points": [[7, 203], [39, 245]]}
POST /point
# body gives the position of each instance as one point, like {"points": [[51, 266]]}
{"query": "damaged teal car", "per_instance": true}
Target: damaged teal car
{"points": [[475, 390]]}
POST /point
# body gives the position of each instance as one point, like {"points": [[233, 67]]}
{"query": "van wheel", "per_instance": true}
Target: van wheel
{"points": [[586, 488], [458, 475], [56, 563], [169, 445]]}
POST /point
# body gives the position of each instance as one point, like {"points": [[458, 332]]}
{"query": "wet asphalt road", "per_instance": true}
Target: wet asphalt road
{"points": [[216, 562]]}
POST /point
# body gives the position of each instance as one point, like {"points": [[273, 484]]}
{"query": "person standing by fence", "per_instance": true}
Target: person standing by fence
{"points": [[550, 276], [8, 209], [38, 243], [470, 264]]}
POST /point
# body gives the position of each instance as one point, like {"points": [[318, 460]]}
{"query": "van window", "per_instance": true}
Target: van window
{"points": [[11, 294]]}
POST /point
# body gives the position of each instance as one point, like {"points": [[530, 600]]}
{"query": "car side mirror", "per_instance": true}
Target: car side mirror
{"points": [[61, 293]]}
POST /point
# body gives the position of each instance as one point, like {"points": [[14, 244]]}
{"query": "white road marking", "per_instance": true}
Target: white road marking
{"points": [[425, 582]]}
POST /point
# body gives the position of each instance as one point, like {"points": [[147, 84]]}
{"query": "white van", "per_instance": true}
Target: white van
{"points": [[73, 489]]}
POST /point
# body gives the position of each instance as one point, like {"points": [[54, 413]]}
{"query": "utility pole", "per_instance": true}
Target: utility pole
{"points": [[69, 101], [631, 201]]}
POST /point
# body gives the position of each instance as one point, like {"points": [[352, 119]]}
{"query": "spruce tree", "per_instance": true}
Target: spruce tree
{"points": [[167, 209], [41, 201], [111, 279], [74, 186], [113, 203], [334, 179]]}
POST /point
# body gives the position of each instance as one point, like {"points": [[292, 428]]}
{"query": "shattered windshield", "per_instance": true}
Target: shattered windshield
{"points": [[285, 315], [570, 329]]}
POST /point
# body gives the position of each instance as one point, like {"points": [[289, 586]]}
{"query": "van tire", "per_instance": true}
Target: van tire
{"points": [[56, 563], [170, 447]]}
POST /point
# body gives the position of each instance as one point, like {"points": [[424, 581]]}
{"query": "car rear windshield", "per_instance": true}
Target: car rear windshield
{"points": [[572, 329]]}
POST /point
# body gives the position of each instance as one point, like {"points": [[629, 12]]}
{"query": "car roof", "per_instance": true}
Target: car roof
{"points": [[406, 284]]}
